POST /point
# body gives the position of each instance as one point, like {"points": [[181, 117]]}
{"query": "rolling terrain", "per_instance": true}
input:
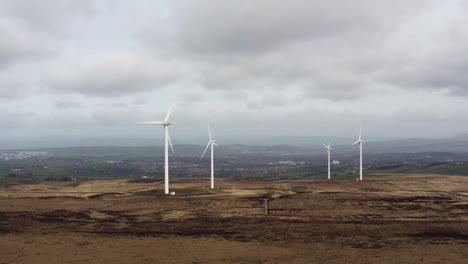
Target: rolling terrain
{"points": [[387, 218]]}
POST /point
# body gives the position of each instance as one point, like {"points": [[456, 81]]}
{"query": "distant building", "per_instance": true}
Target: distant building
{"points": [[335, 162], [288, 162]]}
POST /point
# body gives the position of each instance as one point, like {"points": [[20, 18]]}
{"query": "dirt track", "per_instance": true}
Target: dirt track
{"points": [[384, 219]]}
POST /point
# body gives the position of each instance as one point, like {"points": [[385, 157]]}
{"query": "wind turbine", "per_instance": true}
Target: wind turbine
{"points": [[360, 141], [167, 139], [211, 142], [328, 151]]}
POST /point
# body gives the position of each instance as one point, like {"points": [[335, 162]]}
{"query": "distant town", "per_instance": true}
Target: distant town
{"points": [[233, 161], [20, 155]]}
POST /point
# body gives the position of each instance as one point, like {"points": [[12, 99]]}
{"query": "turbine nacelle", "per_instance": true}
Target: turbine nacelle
{"points": [[165, 123], [161, 123], [327, 146], [211, 142], [359, 141]]}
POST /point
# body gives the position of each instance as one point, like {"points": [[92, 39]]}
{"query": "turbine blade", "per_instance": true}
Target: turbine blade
{"points": [[151, 123], [170, 142], [168, 114], [360, 130], [205, 150], [359, 141], [209, 131], [325, 146]]}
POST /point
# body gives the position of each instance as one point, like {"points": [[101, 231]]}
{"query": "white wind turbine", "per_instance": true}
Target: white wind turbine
{"points": [[167, 139], [211, 142], [328, 152], [360, 141]]}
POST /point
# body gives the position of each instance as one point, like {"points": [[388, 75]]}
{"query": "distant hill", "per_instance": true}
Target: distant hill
{"points": [[69, 141], [341, 144], [413, 145], [461, 137]]}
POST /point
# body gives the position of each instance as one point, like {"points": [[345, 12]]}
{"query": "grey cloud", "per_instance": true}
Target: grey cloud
{"points": [[192, 97], [46, 15], [429, 56], [120, 105], [109, 75], [122, 117], [15, 85], [433, 114], [13, 118], [20, 44], [66, 104], [442, 71], [235, 95], [210, 27], [250, 45], [337, 85], [275, 100], [139, 101], [253, 104], [319, 77], [32, 29], [249, 67]]}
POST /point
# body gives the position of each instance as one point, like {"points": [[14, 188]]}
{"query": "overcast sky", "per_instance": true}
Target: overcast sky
{"points": [[250, 67]]}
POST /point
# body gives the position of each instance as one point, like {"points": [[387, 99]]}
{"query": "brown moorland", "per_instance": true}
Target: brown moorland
{"points": [[383, 219]]}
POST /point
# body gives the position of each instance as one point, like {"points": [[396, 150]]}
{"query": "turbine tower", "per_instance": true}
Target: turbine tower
{"points": [[211, 142], [328, 152], [167, 139], [360, 141]]}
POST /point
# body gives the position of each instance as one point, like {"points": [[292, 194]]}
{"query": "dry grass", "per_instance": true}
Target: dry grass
{"points": [[384, 219]]}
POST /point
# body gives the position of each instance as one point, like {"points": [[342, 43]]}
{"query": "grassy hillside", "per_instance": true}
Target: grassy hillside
{"points": [[442, 169]]}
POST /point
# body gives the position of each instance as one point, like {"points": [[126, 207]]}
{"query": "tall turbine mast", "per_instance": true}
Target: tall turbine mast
{"points": [[360, 141], [167, 141], [212, 143], [328, 152]]}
